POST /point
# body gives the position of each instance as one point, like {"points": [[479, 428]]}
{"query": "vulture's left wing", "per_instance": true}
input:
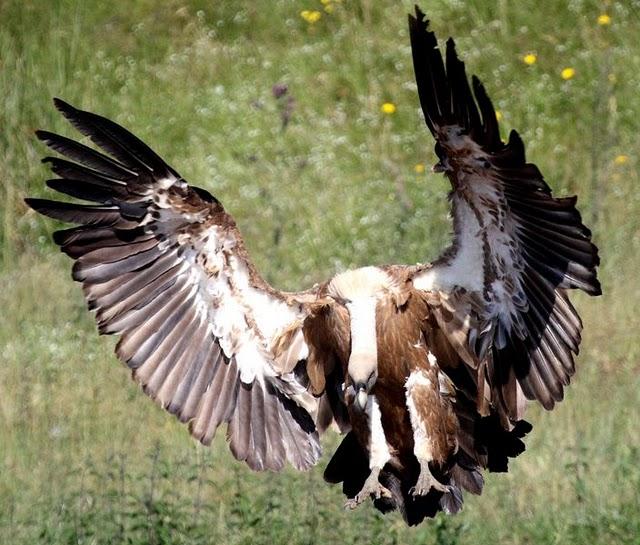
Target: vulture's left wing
{"points": [[499, 292], [164, 268]]}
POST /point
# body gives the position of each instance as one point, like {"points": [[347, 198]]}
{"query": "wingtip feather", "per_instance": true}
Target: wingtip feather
{"points": [[418, 22], [42, 135], [37, 204], [63, 106]]}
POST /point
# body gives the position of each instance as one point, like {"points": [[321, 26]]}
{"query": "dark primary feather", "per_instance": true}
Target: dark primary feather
{"points": [[76, 213], [84, 155], [81, 191], [123, 145], [445, 95]]}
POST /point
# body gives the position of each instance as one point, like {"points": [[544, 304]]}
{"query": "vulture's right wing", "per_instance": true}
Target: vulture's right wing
{"points": [[500, 292], [164, 267]]}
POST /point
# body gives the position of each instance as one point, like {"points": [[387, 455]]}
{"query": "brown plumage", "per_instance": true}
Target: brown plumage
{"points": [[426, 369]]}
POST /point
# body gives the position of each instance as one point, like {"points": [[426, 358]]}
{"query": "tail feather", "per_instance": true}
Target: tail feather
{"points": [[349, 465], [414, 509]]}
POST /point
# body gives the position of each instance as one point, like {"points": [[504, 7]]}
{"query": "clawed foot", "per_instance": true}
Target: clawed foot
{"points": [[426, 481], [371, 487]]}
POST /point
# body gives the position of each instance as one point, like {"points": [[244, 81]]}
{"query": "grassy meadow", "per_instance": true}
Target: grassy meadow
{"points": [[319, 180]]}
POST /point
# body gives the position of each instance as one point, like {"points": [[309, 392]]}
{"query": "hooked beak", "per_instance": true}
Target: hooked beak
{"points": [[362, 389], [363, 374], [361, 397]]}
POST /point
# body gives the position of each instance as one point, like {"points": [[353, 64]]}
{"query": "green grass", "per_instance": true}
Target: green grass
{"points": [[86, 458]]}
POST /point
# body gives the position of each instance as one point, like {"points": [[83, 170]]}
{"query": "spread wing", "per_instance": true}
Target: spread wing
{"points": [[164, 268], [501, 288]]}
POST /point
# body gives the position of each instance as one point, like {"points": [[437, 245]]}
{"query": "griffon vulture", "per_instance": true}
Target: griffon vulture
{"points": [[425, 368]]}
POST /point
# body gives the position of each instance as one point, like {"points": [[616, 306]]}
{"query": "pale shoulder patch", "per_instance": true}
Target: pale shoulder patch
{"points": [[465, 267]]}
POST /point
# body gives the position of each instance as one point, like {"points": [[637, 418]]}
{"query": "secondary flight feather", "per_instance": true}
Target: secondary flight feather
{"points": [[426, 369]]}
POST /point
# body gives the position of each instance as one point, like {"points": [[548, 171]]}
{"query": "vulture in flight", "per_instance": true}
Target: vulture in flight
{"points": [[426, 369]]}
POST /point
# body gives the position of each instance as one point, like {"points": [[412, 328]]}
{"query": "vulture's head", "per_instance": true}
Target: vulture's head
{"points": [[360, 292]]}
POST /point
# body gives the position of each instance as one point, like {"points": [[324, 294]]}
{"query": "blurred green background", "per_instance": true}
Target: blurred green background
{"points": [[86, 458]]}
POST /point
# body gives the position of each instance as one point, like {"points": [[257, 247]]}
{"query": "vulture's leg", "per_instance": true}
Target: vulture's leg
{"points": [[424, 404], [379, 455]]}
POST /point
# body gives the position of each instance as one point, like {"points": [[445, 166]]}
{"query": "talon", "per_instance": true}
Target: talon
{"points": [[426, 481], [351, 504], [384, 493], [371, 487]]}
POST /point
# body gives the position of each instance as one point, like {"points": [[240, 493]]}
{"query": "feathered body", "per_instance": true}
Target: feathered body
{"points": [[425, 369], [419, 406]]}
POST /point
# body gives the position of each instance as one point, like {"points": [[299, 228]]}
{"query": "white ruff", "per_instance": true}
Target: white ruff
{"points": [[364, 282]]}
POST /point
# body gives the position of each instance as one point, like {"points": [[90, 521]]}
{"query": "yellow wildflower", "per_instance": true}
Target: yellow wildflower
{"points": [[530, 58], [604, 19], [419, 168], [328, 7], [388, 108], [498, 116], [567, 73], [621, 159], [311, 16]]}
